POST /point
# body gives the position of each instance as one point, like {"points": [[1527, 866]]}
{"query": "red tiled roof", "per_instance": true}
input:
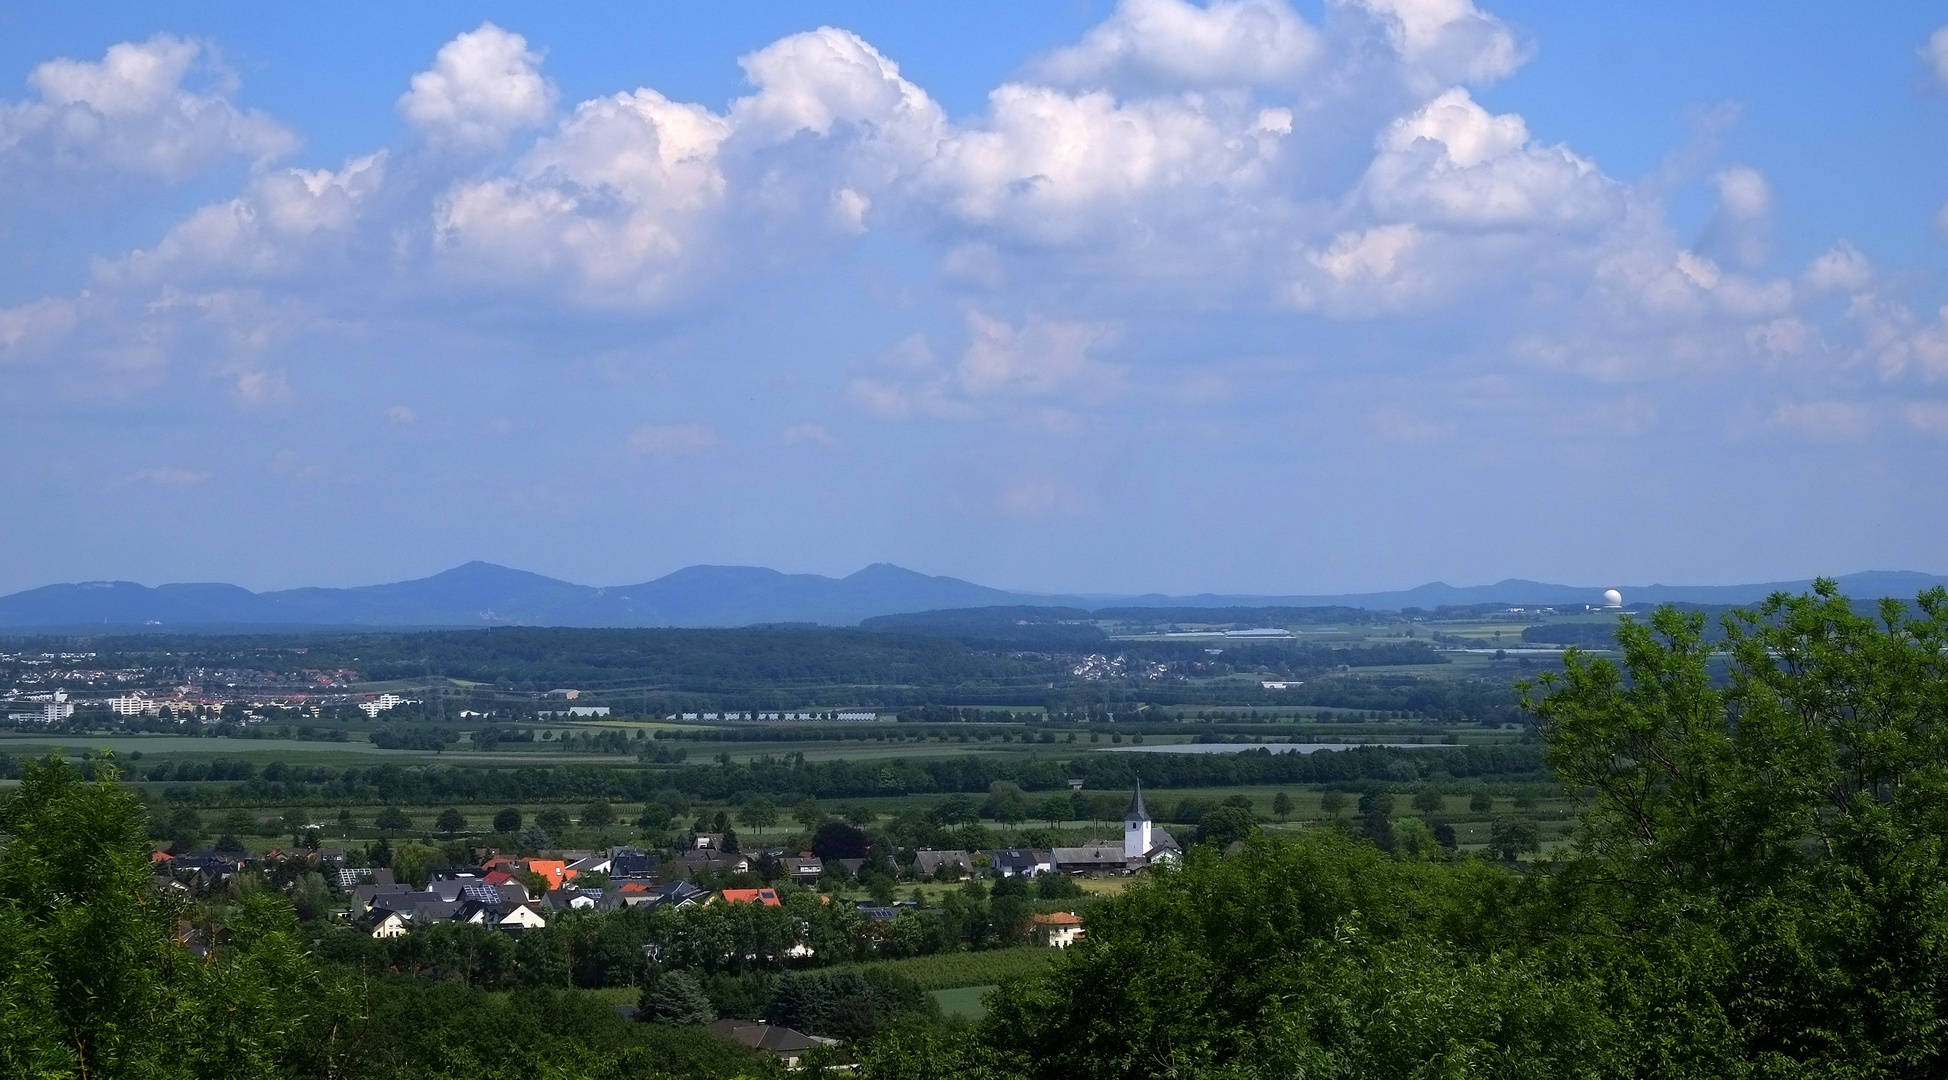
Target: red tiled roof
{"points": [[767, 897]]}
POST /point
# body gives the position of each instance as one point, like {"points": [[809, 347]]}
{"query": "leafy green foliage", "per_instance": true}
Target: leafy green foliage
{"points": [[1226, 825], [1772, 844], [442, 1031], [1320, 957], [96, 983]]}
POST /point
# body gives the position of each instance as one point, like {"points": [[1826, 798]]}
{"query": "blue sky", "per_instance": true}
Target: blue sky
{"points": [[1244, 296]]}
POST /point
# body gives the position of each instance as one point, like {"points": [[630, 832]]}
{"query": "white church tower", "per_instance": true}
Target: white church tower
{"points": [[1136, 828]]}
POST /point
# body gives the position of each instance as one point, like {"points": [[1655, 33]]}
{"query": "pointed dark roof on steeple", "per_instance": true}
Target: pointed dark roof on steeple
{"points": [[1137, 811]]}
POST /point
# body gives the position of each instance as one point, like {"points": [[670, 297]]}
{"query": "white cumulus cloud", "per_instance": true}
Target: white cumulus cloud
{"points": [[283, 222], [826, 78], [1453, 163], [1051, 166], [1179, 159], [484, 86], [1173, 43], [1446, 41], [1842, 268], [132, 112], [611, 200]]}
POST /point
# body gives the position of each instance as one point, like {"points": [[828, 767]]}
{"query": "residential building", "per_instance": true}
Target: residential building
{"points": [[783, 1043], [1057, 930], [1100, 857], [804, 869], [767, 897], [928, 862], [1025, 861], [722, 862]]}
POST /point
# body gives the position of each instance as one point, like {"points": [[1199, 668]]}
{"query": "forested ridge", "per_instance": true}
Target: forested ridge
{"points": [[1000, 660]]}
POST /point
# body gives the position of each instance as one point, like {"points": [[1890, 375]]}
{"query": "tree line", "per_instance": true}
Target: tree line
{"points": [[793, 775]]}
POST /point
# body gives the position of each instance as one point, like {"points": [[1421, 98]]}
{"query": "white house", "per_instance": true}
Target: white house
{"points": [[1059, 929], [522, 917]]}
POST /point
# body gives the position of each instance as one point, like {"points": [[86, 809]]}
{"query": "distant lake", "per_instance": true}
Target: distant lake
{"points": [[1276, 748]]}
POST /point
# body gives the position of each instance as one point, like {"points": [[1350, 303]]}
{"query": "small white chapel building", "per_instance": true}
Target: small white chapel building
{"points": [[1144, 843]]}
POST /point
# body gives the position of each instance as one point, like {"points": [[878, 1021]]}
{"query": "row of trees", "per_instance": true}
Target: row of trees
{"points": [[793, 777]]}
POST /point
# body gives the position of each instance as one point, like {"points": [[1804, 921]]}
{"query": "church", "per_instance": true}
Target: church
{"points": [[1144, 842]]}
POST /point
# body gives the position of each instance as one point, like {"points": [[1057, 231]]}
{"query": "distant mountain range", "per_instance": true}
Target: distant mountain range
{"points": [[482, 594]]}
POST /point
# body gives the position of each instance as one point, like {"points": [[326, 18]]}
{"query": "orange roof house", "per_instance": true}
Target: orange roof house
{"points": [[1058, 929], [767, 897], [553, 870]]}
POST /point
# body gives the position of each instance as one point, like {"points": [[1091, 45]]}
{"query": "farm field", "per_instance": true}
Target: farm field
{"points": [[957, 970], [964, 1002], [849, 750], [291, 751], [174, 746]]}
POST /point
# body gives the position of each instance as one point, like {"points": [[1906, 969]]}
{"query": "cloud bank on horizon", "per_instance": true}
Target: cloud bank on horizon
{"points": [[1256, 300]]}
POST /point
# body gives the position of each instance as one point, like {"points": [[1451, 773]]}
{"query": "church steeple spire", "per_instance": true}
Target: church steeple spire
{"points": [[1136, 828]]}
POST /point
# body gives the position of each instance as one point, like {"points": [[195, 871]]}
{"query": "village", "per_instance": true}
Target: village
{"points": [[786, 910]]}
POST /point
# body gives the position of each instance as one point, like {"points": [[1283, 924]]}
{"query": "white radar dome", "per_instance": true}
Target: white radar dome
{"points": [[1612, 598]]}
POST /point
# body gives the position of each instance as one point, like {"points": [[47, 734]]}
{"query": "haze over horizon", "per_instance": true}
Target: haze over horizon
{"points": [[1241, 298], [1596, 587]]}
